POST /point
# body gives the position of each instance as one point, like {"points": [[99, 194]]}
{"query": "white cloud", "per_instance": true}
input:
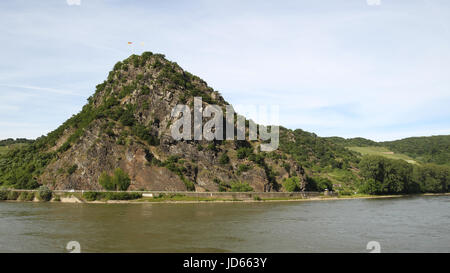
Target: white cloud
{"points": [[44, 89], [73, 2]]}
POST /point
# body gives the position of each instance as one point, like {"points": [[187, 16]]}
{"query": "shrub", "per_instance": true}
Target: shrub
{"points": [[145, 134], [287, 167], [118, 66], [26, 196], [121, 195], [345, 192], [145, 91], [91, 195], [224, 159], [318, 184], [4, 194], [223, 187], [127, 118], [72, 169], [44, 193], [13, 195], [244, 152], [190, 186], [243, 168], [240, 187], [257, 158], [211, 147], [66, 146]]}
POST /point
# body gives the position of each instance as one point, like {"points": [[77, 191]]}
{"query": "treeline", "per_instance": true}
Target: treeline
{"points": [[350, 142], [11, 141], [389, 176]]}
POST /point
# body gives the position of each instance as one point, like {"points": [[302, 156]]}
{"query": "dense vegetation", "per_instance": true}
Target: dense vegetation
{"points": [[240, 187], [328, 162], [292, 184], [44, 194], [388, 176], [93, 196], [434, 149], [119, 181], [311, 150]]}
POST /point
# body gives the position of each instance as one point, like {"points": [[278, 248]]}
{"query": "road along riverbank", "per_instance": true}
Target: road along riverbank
{"points": [[72, 196]]}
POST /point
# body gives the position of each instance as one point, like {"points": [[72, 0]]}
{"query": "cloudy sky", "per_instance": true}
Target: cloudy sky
{"points": [[373, 68]]}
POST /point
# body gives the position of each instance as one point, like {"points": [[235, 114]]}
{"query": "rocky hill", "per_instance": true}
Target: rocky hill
{"points": [[127, 124], [122, 138]]}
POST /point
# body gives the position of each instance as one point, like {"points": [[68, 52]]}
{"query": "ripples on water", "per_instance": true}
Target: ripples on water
{"points": [[411, 224]]}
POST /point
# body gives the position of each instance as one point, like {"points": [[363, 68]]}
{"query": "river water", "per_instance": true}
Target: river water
{"points": [[409, 224]]}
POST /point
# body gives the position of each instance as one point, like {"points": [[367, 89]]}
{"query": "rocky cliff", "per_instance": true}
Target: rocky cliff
{"points": [[127, 124]]}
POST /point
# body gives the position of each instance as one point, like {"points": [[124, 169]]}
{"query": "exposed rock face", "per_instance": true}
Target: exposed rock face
{"points": [[127, 124]]}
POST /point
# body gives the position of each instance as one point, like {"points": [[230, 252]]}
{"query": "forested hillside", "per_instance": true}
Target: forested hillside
{"points": [[433, 149]]}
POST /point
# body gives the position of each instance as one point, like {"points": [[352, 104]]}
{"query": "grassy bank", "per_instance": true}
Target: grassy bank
{"points": [[182, 198]]}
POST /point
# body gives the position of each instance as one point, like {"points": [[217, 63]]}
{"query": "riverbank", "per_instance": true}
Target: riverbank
{"points": [[320, 198], [186, 197]]}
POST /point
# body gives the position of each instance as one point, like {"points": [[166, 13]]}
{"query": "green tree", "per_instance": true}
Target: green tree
{"points": [[121, 180], [292, 184], [106, 182], [240, 187], [318, 184], [44, 193]]}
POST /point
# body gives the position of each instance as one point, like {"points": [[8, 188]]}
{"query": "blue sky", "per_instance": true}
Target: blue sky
{"points": [[335, 67]]}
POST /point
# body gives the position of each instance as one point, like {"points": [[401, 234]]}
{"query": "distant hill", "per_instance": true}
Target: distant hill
{"points": [[357, 141], [433, 149], [10, 141]]}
